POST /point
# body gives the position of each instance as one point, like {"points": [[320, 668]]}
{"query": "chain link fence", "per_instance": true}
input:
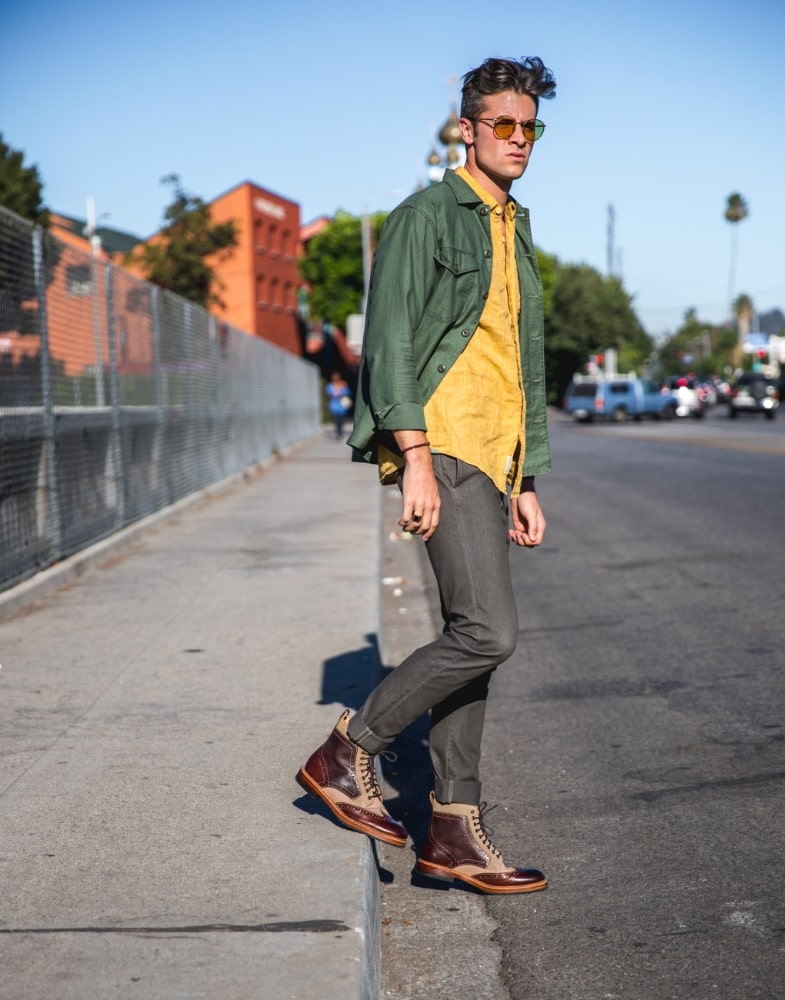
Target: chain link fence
{"points": [[117, 398]]}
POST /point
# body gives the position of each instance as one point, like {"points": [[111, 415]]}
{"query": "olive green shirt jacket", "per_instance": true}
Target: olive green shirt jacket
{"points": [[430, 278]]}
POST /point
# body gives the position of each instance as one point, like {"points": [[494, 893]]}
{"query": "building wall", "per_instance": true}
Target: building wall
{"points": [[260, 284], [261, 277]]}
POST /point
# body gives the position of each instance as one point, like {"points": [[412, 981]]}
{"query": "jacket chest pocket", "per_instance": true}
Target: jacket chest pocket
{"points": [[457, 277]]}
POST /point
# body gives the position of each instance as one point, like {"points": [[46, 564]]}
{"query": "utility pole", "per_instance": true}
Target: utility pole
{"points": [[609, 250]]}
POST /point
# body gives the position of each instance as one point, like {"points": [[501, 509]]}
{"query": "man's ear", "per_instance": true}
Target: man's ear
{"points": [[467, 130]]}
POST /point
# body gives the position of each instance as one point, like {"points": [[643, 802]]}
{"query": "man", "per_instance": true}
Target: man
{"points": [[451, 405]]}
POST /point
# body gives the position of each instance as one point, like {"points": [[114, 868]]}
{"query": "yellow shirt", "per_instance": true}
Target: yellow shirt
{"points": [[477, 413]]}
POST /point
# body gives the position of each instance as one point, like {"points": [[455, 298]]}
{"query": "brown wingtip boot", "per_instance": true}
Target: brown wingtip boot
{"points": [[459, 847], [343, 776]]}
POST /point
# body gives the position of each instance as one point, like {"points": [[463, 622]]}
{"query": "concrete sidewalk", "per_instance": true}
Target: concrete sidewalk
{"points": [[153, 713]]}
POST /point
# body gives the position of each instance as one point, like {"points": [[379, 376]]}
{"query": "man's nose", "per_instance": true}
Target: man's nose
{"points": [[518, 134]]}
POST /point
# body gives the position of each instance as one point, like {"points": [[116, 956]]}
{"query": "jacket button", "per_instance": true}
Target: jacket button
{"points": [[442, 369], [484, 210], [465, 333], [488, 253]]}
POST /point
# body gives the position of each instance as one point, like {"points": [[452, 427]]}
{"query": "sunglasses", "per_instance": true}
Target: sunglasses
{"points": [[504, 127]]}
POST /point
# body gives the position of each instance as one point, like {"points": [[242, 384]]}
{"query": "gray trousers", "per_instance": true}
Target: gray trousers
{"points": [[469, 553]]}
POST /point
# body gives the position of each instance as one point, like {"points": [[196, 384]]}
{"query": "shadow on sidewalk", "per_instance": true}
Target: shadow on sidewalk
{"points": [[348, 677]]}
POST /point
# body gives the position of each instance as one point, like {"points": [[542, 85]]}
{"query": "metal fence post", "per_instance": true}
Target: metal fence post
{"points": [[47, 395], [114, 397], [161, 450], [160, 388]]}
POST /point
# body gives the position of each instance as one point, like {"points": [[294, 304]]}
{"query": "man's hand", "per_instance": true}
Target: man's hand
{"points": [[528, 521], [421, 502]]}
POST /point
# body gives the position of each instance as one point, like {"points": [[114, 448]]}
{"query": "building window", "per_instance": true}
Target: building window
{"points": [[261, 287], [275, 291], [258, 236], [78, 280], [274, 240]]}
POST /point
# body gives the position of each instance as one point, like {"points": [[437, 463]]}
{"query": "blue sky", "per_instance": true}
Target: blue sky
{"points": [[662, 109]]}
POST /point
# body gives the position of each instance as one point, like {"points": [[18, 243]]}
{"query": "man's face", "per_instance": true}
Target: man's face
{"points": [[496, 163]]}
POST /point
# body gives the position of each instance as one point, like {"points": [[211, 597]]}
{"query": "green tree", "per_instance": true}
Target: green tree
{"points": [[333, 267], [736, 211], [21, 188], [589, 314], [21, 192], [697, 346], [181, 256], [549, 267]]}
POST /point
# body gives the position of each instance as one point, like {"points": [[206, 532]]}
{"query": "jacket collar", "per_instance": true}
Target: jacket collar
{"points": [[463, 192]]}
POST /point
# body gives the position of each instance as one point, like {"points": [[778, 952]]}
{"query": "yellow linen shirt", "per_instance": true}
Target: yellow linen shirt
{"points": [[477, 413]]}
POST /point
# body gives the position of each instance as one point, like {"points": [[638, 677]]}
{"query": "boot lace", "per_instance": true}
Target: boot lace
{"points": [[368, 771], [482, 832]]}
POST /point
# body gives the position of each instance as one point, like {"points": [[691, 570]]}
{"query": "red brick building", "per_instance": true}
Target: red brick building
{"points": [[260, 278]]}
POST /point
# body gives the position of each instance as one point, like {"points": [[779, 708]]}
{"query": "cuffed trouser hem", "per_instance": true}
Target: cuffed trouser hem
{"points": [[366, 738], [467, 793]]}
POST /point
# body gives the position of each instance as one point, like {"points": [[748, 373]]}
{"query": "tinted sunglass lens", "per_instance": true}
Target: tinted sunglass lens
{"points": [[503, 128]]}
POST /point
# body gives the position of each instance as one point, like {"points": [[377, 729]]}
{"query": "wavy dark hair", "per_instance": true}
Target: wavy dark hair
{"points": [[527, 76]]}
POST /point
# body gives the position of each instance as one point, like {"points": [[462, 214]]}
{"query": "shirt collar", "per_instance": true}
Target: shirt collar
{"points": [[485, 196]]}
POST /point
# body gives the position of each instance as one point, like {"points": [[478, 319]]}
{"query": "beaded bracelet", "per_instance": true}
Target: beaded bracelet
{"points": [[411, 447]]}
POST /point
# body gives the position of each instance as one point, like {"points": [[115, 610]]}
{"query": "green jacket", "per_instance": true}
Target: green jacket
{"points": [[429, 282]]}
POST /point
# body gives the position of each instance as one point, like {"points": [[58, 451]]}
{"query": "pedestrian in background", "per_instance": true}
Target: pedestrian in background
{"points": [[339, 401], [452, 407]]}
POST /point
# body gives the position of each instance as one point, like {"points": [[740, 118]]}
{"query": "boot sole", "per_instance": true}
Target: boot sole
{"points": [[306, 781], [450, 875]]}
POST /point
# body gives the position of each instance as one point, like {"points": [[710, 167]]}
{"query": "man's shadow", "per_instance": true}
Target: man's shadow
{"points": [[348, 677]]}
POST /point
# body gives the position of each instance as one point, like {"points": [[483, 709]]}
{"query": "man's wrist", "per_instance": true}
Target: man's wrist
{"points": [[411, 443], [413, 447]]}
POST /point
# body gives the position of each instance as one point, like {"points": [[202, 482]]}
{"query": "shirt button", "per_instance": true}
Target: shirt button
{"points": [[488, 253], [442, 369]]}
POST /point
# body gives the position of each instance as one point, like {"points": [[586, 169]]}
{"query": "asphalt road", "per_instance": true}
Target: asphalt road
{"points": [[636, 741]]}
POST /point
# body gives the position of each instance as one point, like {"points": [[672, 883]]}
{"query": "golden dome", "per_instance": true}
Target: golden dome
{"points": [[450, 133]]}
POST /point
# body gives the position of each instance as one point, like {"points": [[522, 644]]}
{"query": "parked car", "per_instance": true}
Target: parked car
{"points": [[617, 398], [689, 393], [754, 392]]}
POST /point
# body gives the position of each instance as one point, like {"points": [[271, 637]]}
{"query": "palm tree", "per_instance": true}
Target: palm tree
{"points": [[743, 310], [736, 210]]}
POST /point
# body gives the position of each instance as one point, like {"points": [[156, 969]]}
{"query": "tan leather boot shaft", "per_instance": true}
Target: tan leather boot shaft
{"points": [[458, 833]]}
